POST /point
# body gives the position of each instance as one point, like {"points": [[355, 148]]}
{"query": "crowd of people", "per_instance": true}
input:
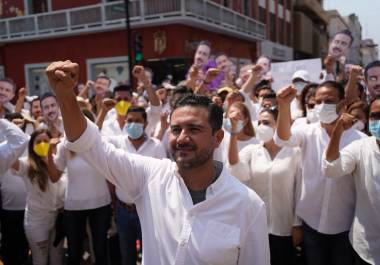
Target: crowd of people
{"points": [[217, 169]]}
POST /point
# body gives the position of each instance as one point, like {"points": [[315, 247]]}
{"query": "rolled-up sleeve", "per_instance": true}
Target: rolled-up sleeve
{"points": [[345, 164], [127, 171], [13, 146]]}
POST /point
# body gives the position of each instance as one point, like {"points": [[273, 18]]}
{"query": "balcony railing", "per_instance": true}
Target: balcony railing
{"points": [[108, 16]]}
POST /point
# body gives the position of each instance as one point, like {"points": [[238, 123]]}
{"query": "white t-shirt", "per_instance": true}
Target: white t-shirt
{"points": [[13, 191], [361, 161], [86, 187]]}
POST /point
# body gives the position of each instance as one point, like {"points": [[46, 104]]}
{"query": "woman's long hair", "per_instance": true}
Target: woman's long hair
{"points": [[37, 171], [248, 128]]}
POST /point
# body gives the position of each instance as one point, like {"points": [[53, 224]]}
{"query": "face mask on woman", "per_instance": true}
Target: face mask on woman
{"points": [[41, 149], [264, 133], [228, 127]]}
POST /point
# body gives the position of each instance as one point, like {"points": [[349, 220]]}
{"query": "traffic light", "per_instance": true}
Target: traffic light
{"points": [[138, 44]]}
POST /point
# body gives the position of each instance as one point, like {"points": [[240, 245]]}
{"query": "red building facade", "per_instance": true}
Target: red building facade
{"points": [[92, 33]]}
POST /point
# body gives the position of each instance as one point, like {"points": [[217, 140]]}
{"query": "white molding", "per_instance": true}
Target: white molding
{"points": [[92, 61], [262, 3], [27, 68], [272, 6]]}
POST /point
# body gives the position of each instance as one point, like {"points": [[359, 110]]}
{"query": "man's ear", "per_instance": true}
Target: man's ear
{"points": [[219, 135]]}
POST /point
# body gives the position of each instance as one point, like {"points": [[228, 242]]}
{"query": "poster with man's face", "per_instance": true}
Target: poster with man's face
{"points": [[339, 46]]}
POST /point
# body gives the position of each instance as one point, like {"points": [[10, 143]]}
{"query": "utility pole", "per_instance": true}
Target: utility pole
{"points": [[129, 40]]}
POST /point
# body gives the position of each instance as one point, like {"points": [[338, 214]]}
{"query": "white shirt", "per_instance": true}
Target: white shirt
{"points": [[12, 144], [151, 147], [361, 159], [13, 191], [111, 126], [229, 227], [275, 181], [221, 153], [86, 188], [326, 205]]}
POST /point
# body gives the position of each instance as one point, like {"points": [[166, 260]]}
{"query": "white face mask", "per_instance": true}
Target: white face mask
{"points": [[311, 115], [299, 86], [359, 125], [264, 133], [326, 113]]}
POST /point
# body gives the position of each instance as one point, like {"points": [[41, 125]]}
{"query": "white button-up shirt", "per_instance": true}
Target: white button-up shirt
{"points": [[151, 147], [229, 227], [111, 126], [326, 205], [362, 160], [12, 144], [275, 181]]}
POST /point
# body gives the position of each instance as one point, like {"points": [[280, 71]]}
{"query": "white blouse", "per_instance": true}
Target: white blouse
{"points": [[86, 187], [276, 181]]}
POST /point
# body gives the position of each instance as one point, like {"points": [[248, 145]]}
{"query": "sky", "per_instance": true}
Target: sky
{"points": [[368, 12]]}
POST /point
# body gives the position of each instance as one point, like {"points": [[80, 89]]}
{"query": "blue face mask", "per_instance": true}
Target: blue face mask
{"points": [[134, 130], [227, 125], [374, 128]]}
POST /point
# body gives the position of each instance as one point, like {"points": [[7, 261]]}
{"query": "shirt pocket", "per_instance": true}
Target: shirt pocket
{"points": [[220, 244]]}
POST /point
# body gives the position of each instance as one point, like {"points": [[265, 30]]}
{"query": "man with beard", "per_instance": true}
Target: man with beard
{"points": [[50, 112], [372, 78], [191, 210], [7, 92]]}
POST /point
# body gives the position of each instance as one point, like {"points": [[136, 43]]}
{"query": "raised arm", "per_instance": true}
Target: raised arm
{"points": [[253, 79], [20, 99], [284, 98], [139, 73], [53, 171], [107, 105], [63, 76], [351, 89], [345, 122], [13, 147]]}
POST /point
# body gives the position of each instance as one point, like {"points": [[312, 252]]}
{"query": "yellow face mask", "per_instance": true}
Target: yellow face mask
{"points": [[41, 149], [122, 107]]}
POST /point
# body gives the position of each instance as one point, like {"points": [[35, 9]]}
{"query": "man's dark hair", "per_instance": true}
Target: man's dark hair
{"points": [[35, 98], [220, 54], [375, 98], [215, 113], [9, 81], [263, 84], [334, 85], [271, 110], [121, 88], [138, 110], [47, 95], [14, 115], [348, 33], [369, 66], [269, 95], [204, 42]]}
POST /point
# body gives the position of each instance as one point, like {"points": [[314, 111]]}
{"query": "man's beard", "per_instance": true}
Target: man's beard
{"points": [[200, 157]]}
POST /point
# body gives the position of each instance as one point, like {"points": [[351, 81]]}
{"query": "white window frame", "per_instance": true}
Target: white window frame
{"points": [[27, 68]]}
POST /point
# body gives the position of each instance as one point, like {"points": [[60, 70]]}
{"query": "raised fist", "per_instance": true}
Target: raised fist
{"points": [[62, 76], [286, 94]]}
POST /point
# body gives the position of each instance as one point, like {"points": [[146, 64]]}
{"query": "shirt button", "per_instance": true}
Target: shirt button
{"points": [[183, 243]]}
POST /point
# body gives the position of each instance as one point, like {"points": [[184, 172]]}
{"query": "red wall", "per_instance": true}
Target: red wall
{"points": [[110, 44], [10, 8], [60, 4]]}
